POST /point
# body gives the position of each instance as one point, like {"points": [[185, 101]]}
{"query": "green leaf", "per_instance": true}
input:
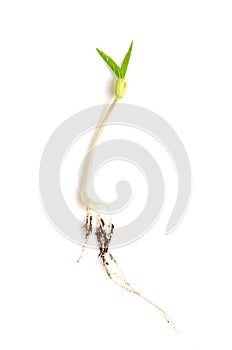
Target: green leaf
{"points": [[126, 61], [114, 67]]}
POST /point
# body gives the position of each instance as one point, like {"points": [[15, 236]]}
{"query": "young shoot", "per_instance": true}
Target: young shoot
{"points": [[104, 231]]}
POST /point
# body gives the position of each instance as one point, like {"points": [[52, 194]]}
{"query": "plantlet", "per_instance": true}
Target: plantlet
{"points": [[103, 231]]}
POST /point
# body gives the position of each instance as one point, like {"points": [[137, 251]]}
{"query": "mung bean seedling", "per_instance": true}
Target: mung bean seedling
{"points": [[103, 231]]}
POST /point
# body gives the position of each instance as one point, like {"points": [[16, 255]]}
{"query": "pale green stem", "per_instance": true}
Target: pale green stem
{"points": [[86, 200]]}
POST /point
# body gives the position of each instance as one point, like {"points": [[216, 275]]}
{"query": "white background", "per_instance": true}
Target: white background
{"points": [[181, 69]]}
